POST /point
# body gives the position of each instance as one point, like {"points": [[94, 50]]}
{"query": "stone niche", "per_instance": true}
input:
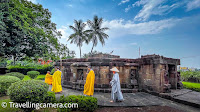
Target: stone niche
{"points": [[150, 72]]}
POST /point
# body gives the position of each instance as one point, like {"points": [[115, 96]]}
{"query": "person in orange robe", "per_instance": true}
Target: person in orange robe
{"points": [[48, 78], [89, 84], [56, 83]]}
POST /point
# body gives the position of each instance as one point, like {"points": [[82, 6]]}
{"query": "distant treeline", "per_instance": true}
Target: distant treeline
{"points": [[190, 76]]}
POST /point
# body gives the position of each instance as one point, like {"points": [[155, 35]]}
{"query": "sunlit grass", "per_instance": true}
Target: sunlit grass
{"points": [[39, 77], [26, 77], [192, 86]]}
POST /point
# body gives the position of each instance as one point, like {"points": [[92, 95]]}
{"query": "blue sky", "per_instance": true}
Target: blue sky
{"points": [[166, 27]]}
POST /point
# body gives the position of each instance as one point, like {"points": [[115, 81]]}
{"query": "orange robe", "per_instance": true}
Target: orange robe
{"points": [[89, 84], [48, 79], [56, 83]]}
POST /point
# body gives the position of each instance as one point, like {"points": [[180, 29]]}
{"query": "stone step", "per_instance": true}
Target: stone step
{"points": [[103, 90]]}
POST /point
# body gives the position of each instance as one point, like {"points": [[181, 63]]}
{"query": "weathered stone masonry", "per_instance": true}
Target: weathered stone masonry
{"points": [[150, 72]]}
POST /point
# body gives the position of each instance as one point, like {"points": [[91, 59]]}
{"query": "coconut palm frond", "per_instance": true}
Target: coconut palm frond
{"points": [[96, 31], [79, 35]]}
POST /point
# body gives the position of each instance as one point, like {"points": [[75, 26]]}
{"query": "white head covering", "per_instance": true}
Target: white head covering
{"points": [[114, 69]]}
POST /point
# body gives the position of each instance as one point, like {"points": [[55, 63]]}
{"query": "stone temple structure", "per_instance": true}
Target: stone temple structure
{"points": [[152, 73]]}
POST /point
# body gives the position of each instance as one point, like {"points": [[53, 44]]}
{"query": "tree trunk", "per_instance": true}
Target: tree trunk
{"points": [[92, 48], [80, 51], [14, 60]]}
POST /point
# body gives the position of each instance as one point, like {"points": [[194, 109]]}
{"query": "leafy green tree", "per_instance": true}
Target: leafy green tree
{"points": [[3, 32], [96, 32], [27, 29], [65, 52], [79, 36]]}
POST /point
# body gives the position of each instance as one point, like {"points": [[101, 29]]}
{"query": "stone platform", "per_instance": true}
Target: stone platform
{"points": [[138, 99], [184, 96]]}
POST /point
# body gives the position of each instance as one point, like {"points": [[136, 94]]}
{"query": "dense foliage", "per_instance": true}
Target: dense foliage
{"points": [[30, 67], [190, 76], [192, 86], [16, 74], [49, 97], [33, 74], [85, 103], [5, 82], [32, 90], [27, 31], [3, 62]]}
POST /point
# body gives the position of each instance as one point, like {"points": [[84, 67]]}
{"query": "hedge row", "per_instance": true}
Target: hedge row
{"points": [[16, 74], [85, 103], [25, 69]]}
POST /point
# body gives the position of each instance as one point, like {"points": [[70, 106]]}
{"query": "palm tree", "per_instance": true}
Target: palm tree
{"points": [[79, 35], [96, 31]]}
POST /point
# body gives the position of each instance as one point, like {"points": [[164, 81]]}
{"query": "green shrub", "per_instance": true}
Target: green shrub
{"points": [[32, 91], [192, 86], [42, 83], [16, 74], [85, 103], [33, 74], [24, 68], [50, 97], [5, 82]]}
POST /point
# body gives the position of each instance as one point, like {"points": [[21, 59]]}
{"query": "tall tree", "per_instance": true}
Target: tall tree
{"points": [[97, 32], [27, 29], [79, 35], [3, 33]]}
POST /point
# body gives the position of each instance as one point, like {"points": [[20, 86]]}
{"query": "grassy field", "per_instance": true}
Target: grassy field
{"points": [[26, 77], [40, 77], [192, 86]]}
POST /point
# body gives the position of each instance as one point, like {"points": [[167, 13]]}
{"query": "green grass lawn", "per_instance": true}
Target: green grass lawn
{"points": [[26, 77], [39, 77], [192, 86]]}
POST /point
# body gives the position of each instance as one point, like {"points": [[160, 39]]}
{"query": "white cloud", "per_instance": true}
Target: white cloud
{"points": [[65, 31], [120, 27], [123, 1], [193, 4], [128, 8], [153, 7]]}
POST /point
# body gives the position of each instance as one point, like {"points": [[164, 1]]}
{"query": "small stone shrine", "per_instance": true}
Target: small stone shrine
{"points": [[152, 73]]}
